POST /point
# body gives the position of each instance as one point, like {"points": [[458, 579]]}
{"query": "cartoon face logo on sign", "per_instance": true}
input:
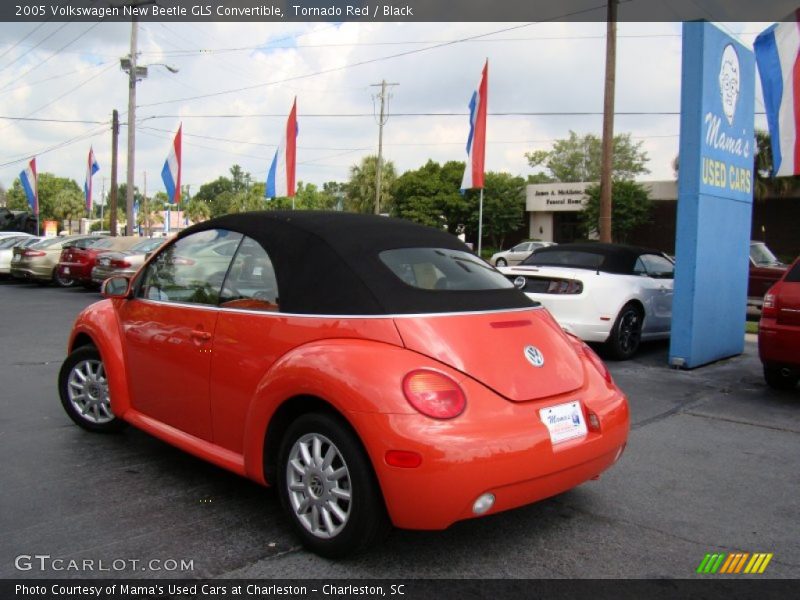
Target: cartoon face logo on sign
{"points": [[729, 82]]}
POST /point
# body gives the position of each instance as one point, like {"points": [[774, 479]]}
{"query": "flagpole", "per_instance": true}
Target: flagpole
{"points": [[480, 223]]}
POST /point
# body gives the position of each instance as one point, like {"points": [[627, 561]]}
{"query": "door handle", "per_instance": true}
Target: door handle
{"points": [[200, 335]]}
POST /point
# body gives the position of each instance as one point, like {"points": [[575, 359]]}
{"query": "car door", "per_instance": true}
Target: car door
{"points": [[519, 253], [169, 328], [659, 273]]}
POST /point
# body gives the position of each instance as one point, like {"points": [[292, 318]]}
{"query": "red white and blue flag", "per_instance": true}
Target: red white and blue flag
{"points": [[476, 142], [171, 173], [281, 174], [91, 168], [29, 181], [777, 51]]}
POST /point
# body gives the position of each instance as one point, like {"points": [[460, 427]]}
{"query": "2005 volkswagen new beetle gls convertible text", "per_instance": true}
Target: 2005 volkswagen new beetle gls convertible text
{"points": [[373, 371]]}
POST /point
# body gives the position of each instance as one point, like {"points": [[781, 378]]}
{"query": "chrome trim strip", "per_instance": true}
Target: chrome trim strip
{"points": [[300, 315]]}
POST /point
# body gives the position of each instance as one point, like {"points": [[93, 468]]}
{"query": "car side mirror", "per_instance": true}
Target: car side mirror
{"points": [[116, 287]]}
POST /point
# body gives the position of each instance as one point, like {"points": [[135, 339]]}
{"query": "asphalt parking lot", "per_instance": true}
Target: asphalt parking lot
{"points": [[712, 465]]}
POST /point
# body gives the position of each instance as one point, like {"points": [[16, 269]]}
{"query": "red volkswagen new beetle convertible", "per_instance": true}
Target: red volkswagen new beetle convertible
{"points": [[373, 370]]}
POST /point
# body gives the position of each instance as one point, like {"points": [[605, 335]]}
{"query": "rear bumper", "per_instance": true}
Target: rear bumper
{"points": [[778, 344], [504, 451], [100, 274], [32, 273], [577, 315], [74, 271]]}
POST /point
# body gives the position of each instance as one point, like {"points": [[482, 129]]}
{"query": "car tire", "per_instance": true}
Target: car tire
{"points": [[62, 281], [501, 262], [626, 334], [780, 379], [327, 486], [83, 387]]}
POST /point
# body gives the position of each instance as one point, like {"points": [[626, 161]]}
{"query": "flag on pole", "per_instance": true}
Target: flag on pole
{"points": [[29, 181], [281, 174], [777, 51], [171, 173], [91, 168], [476, 142]]}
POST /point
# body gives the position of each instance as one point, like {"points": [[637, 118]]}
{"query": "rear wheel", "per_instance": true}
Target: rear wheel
{"points": [[61, 281], [83, 387], [780, 379], [500, 262], [626, 334], [327, 486]]}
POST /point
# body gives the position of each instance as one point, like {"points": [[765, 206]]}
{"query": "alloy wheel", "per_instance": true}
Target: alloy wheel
{"points": [[87, 390]]}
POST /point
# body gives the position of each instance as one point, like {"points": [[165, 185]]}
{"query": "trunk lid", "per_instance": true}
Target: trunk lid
{"points": [[491, 348]]}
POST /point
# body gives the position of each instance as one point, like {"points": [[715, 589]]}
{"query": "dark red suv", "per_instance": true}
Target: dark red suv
{"points": [[779, 331], [765, 269]]}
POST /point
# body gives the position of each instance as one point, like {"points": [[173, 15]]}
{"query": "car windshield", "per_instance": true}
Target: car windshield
{"points": [[762, 256], [49, 242], [581, 259], [439, 269], [146, 246]]}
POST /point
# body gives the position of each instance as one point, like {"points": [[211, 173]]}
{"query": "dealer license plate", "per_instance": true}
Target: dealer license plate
{"points": [[564, 421], [66, 271]]}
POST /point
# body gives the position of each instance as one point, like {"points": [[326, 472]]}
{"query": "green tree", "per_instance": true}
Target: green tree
{"points": [[49, 187], [209, 191], [631, 207], [421, 195], [68, 205], [503, 206], [578, 158], [361, 186], [2, 195], [307, 197], [197, 210]]}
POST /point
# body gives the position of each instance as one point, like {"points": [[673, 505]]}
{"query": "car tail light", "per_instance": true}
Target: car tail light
{"points": [[769, 308], [119, 263], [565, 286], [434, 394], [32, 253]]}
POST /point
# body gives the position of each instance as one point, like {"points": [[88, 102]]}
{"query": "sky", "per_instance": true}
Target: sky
{"points": [[236, 83]]}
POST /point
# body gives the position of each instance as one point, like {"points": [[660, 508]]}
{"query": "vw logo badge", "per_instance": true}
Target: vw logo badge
{"points": [[520, 282], [534, 356]]}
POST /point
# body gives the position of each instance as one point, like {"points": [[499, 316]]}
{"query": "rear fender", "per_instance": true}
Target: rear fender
{"points": [[100, 323], [353, 376]]}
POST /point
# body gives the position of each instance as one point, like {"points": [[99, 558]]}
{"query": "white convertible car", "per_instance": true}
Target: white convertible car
{"points": [[608, 293]]}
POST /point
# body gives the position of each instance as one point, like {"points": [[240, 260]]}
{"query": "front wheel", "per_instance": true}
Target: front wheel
{"points": [[327, 486], [626, 334], [83, 387], [500, 262], [780, 379]]}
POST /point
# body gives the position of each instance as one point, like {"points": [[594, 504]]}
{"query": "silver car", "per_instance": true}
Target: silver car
{"points": [[124, 263], [517, 254]]}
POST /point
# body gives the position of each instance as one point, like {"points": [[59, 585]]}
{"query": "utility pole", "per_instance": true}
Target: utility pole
{"points": [[144, 199], [381, 122], [102, 202], [608, 124], [114, 152], [131, 125]]}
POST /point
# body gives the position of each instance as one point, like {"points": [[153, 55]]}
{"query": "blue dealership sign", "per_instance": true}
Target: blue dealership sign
{"points": [[715, 197]]}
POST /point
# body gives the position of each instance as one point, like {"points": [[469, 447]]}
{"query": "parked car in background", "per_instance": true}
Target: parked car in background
{"points": [[7, 245], [609, 293], [14, 234], [77, 260], [126, 262], [765, 270], [517, 254], [779, 331], [383, 376], [38, 261]]}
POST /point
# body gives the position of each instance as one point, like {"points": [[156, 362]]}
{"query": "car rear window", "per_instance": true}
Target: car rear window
{"points": [[793, 276], [566, 258], [48, 243], [439, 269]]}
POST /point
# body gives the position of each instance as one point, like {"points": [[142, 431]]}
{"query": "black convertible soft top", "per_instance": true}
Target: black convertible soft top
{"points": [[609, 258], [328, 263]]}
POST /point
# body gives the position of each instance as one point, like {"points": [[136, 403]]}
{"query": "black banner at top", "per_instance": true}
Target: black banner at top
{"points": [[394, 10]]}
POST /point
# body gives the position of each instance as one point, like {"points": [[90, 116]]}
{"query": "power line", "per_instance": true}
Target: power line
{"points": [[363, 62], [22, 39], [58, 146], [43, 120], [59, 76]]}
